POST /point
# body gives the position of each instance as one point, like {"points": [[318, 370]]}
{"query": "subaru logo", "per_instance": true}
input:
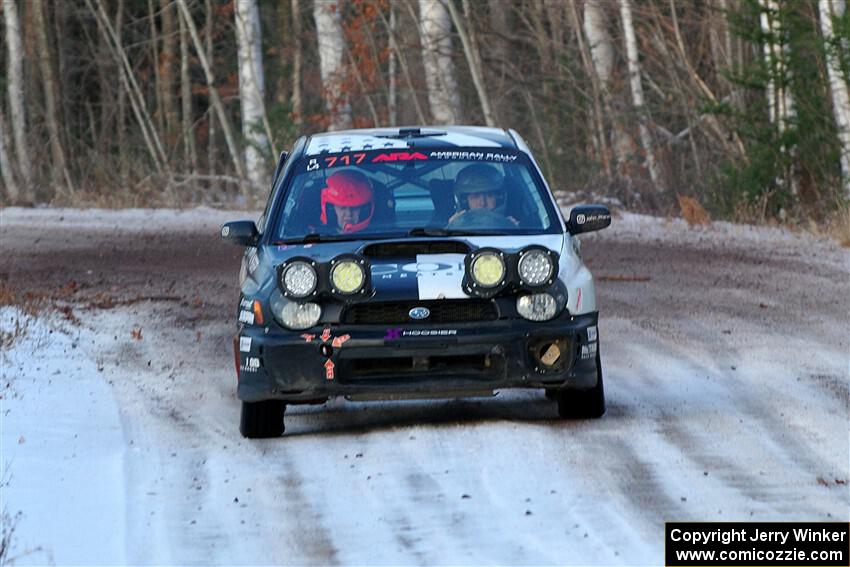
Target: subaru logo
{"points": [[419, 313]]}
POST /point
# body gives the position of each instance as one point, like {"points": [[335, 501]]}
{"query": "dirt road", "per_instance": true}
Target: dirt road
{"points": [[726, 361]]}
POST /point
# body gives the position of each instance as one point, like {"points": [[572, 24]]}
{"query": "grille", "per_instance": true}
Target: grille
{"points": [[442, 311]]}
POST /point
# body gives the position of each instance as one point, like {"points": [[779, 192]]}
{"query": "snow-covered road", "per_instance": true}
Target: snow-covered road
{"points": [[726, 374]]}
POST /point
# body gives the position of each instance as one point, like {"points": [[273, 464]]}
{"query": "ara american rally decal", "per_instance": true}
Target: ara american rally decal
{"points": [[395, 156]]}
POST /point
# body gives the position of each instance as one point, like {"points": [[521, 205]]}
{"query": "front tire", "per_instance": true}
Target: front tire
{"points": [[261, 420], [583, 404]]}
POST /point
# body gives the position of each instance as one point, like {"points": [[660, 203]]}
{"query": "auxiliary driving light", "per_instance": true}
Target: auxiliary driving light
{"points": [[488, 269], [298, 279], [348, 276], [536, 267]]}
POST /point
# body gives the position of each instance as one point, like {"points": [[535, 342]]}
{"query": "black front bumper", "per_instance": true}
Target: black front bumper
{"points": [[382, 361]]}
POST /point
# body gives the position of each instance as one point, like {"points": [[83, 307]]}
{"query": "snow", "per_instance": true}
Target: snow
{"points": [[62, 449]]}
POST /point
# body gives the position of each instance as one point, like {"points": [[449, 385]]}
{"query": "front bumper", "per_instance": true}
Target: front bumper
{"points": [[380, 361]]}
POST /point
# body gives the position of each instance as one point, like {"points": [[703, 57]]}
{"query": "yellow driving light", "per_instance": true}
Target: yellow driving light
{"points": [[488, 270], [347, 276]]}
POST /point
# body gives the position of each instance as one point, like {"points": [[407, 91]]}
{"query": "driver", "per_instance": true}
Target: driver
{"points": [[480, 187], [350, 194]]}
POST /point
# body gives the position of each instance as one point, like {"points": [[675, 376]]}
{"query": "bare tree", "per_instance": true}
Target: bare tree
{"points": [[780, 100], [168, 57], [601, 46], [392, 91], [473, 59], [15, 91], [218, 106], [636, 84], [12, 189], [190, 149], [331, 49], [61, 177], [830, 9], [251, 89], [297, 99], [435, 32]]}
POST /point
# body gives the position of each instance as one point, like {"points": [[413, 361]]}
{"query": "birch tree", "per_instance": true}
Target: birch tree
{"points": [[636, 84], [15, 91], [251, 89], [331, 50], [601, 46], [780, 100], [473, 59], [440, 76], [830, 9]]}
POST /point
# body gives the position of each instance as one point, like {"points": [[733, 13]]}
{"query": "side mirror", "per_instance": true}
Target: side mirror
{"points": [[243, 233], [587, 218]]}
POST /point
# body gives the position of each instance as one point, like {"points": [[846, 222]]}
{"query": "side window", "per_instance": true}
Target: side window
{"points": [[538, 217]]}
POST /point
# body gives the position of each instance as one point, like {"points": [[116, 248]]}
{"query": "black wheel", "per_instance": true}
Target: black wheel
{"points": [[583, 404], [262, 419]]}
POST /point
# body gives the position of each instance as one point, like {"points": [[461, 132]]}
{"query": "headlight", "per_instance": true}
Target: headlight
{"points": [[488, 269], [300, 316], [536, 306], [535, 267], [298, 279], [347, 277]]}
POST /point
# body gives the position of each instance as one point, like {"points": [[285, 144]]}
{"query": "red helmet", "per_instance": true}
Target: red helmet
{"points": [[348, 189]]}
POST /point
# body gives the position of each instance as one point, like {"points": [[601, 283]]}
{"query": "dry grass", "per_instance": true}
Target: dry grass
{"points": [[838, 225]]}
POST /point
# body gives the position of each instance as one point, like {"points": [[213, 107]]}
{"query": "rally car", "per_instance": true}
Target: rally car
{"points": [[413, 263]]}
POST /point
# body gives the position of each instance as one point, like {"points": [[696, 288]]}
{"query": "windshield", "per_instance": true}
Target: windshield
{"points": [[419, 192]]}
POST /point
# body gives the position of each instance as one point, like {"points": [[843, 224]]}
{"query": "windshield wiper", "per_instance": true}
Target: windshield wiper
{"points": [[437, 231]]}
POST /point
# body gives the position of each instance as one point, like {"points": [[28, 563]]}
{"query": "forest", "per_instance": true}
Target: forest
{"points": [[740, 105]]}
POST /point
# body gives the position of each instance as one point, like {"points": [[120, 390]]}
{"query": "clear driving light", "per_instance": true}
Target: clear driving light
{"points": [[300, 316], [536, 306], [299, 279], [347, 276], [535, 267], [488, 269]]}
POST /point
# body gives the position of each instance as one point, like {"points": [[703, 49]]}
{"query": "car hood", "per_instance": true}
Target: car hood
{"points": [[414, 276]]}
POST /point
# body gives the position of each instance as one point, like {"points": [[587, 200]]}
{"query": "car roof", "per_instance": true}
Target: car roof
{"points": [[409, 136]]}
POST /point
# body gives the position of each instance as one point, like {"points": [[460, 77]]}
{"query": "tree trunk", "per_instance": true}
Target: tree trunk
{"points": [[212, 156], [636, 84], [15, 91], [187, 114], [218, 106], [392, 92], [158, 112], [402, 62], [597, 116], [124, 162], [60, 176], [780, 100], [601, 46], [473, 59], [137, 100], [297, 100], [830, 9], [440, 76], [251, 90], [167, 61], [12, 190], [331, 41]]}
